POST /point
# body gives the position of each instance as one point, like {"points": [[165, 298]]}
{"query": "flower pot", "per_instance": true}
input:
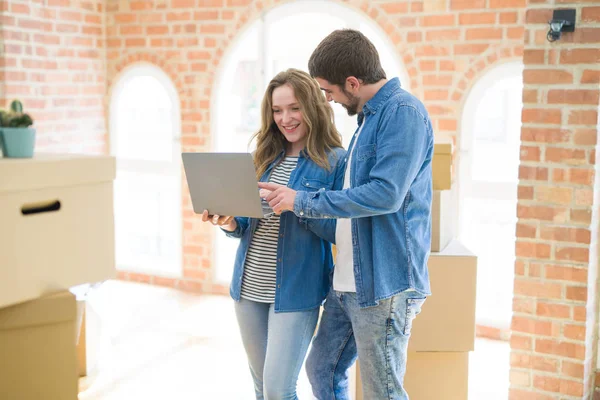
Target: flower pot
{"points": [[17, 142]]}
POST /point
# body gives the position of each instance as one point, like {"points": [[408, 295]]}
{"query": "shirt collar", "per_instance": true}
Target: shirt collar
{"points": [[392, 86]]}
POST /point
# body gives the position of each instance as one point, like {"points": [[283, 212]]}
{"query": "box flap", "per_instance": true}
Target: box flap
{"points": [[54, 170], [442, 148], [45, 310]]}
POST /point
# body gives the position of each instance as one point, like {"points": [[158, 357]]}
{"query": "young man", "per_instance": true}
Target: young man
{"points": [[380, 279]]}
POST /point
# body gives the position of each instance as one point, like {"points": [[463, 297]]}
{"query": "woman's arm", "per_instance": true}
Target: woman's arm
{"points": [[240, 224]]}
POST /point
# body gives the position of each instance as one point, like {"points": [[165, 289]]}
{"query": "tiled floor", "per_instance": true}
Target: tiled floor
{"points": [[158, 343]]}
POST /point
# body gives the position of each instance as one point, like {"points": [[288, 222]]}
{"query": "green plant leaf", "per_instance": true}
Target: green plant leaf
{"points": [[16, 106]]}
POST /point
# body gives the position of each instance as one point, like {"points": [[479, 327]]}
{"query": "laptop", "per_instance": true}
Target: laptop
{"points": [[224, 184]]}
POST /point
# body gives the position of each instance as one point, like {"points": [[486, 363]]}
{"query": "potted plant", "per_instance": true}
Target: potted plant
{"points": [[17, 138]]}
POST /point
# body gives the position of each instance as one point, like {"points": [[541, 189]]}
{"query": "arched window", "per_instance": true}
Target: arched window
{"points": [[283, 38], [144, 138], [488, 179]]}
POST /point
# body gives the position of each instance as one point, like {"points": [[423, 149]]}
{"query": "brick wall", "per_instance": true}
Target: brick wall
{"points": [[2, 57], [53, 60], [555, 315], [182, 39]]}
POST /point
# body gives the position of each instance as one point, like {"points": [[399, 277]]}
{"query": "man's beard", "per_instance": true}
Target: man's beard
{"points": [[352, 107]]}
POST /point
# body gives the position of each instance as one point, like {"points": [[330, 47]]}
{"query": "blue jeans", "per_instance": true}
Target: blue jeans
{"points": [[276, 344], [377, 335]]}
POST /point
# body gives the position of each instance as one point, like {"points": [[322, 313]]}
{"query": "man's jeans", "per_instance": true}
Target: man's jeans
{"points": [[377, 335], [276, 344]]}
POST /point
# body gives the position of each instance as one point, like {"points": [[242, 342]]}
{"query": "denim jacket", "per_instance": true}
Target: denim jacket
{"points": [[304, 259], [389, 199]]}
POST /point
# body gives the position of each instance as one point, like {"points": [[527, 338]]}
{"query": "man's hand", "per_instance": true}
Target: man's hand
{"points": [[281, 197]]}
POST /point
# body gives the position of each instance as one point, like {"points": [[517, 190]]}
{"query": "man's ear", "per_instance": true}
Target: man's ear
{"points": [[352, 84]]}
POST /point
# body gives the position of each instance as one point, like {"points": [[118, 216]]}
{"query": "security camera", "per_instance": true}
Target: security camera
{"points": [[562, 21], [556, 26]]}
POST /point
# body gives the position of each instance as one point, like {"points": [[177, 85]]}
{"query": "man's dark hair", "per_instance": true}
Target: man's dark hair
{"points": [[344, 53]]}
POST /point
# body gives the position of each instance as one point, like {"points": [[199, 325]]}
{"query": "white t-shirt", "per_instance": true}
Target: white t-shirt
{"points": [[343, 275]]}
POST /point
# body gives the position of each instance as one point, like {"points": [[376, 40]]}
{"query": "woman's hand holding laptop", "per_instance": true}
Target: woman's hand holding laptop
{"points": [[226, 222]]}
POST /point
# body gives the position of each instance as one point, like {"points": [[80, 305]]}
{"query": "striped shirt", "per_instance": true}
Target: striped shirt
{"points": [[258, 283]]}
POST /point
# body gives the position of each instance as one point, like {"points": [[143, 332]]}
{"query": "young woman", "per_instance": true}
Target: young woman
{"points": [[283, 263]]}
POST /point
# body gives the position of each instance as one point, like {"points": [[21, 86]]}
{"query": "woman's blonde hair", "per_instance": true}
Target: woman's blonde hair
{"points": [[322, 136]]}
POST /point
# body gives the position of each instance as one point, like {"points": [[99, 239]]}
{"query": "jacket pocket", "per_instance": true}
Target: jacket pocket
{"points": [[314, 184], [365, 152], [413, 308]]}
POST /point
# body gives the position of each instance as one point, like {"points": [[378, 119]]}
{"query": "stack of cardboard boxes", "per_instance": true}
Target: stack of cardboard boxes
{"points": [[443, 333], [56, 232]]}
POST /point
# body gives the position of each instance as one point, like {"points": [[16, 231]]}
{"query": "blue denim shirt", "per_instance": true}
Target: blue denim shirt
{"points": [[389, 199], [304, 260]]}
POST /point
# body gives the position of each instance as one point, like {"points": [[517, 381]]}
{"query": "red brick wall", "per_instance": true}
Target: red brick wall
{"points": [[2, 57], [555, 315], [54, 62]]}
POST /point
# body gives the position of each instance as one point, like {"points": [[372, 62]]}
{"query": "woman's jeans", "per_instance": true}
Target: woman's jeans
{"points": [[276, 344]]}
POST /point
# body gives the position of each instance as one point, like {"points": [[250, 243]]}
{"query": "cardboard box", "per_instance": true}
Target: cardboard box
{"points": [[447, 318], [442, 221], [37, 348], [432, 376], [441, 166], [57, 226]]}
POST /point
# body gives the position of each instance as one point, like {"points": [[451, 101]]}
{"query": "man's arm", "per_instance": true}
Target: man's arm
{"points": [[404, 141]]}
